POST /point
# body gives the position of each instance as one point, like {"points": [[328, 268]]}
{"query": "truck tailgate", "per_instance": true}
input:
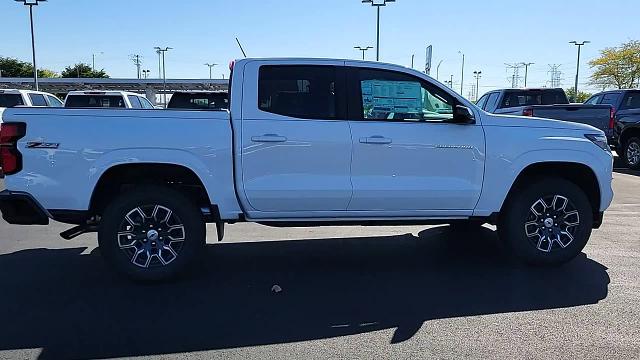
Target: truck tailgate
{"points": [[598, 116]]}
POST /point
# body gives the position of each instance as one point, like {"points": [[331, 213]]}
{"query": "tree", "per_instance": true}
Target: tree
{"points": [[81, 70], [582, 96], [617, 67], [11, 67]]}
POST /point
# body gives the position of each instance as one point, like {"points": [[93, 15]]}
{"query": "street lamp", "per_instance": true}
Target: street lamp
{"points": [[145, 73], [210, 68], [438, 70], [164, 73], [579, 45], [93, 60], [378, 4], [526, 72], [363, 49], [31, 4], [477, 75], [462, 75]]}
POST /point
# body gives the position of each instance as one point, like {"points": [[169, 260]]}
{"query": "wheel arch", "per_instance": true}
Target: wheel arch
{"points": [[579, 174]]}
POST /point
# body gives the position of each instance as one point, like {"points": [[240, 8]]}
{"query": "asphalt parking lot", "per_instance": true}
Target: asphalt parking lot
{"points": [[354, 292]]}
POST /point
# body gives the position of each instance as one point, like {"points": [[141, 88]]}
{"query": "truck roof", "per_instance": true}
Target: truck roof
{"points": [[101, 92], [23, 92]]}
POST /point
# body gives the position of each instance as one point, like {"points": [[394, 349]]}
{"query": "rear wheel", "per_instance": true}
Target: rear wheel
{"points": [[547, 222], [631, 153], [151, 234]]}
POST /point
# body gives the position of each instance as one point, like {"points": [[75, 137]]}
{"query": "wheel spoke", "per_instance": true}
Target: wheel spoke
{"points": [[572, 218], [563, 202], [539, 203], [564, 244], [529, 225], [176, 233], [542, 240], [131, 221], [126, 240]]}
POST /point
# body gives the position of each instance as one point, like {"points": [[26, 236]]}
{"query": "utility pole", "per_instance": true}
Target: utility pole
{"points": [[164, 73], [137, 62], [378, 4], [364, 49], [477, 75], [412, 58], [451, 82], [515, 77], [526, 72], [210, 68], [579, 45], [438, 70], [462, 75]]}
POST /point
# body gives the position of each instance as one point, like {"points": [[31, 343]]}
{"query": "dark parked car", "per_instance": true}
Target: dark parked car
{"points": [[626, 110], [547, 103], [201, 100]]}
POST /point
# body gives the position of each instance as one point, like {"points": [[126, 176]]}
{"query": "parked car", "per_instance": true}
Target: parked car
{"points": [[13, 97], [106, 99], [200, 100], [626, 135], [296, 150], [547, 103]]}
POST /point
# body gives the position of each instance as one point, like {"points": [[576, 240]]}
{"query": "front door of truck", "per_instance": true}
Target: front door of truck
{"points": [[296, 149], [408, 157]]}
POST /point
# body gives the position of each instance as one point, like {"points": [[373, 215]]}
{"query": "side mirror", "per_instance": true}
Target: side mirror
{"points": [[463, 115]]}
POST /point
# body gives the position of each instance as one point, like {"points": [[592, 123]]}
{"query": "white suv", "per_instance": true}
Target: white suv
{"points": [[106, 99]]}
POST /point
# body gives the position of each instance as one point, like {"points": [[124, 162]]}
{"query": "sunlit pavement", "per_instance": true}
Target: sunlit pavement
{"points": [[354, 292]]}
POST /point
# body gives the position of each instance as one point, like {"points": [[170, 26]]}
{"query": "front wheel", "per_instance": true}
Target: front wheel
{"points": [[548, 222], [631, 153], [151, 234]]}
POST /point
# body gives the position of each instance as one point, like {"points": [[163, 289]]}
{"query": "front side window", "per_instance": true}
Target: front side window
{"points": [[146, 104], [307, 92], [135, 102], [54, 101], [482, 101], [594, 100], [492, 101], [37, 100], [388, 95]]}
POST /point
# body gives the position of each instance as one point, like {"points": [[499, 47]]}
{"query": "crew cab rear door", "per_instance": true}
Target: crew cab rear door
{"points": [[409, 159], [295, 144]]}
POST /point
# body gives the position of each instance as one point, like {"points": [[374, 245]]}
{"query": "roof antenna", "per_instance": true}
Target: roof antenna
{"points": [[241, 49]]}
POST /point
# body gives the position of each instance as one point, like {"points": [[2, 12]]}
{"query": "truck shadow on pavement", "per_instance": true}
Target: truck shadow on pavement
{"points": [[71, 305]]}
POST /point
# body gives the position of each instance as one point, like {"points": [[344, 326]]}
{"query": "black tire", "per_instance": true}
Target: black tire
{"points": [[631, 146], [170, 256], [517, 213]]}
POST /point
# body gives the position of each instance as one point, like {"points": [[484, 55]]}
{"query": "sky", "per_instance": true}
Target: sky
{"points": [[490, 33]]}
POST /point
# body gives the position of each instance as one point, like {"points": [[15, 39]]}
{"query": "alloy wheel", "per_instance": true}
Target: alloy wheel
{"points": [[151, 236], [552, 223]]}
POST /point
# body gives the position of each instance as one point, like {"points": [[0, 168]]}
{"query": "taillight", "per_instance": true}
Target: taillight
{"points": [[10, 157], [527, 112], [612, 118]]}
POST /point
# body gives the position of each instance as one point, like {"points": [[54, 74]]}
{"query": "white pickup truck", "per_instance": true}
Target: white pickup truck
{"points": [[306, 142]]}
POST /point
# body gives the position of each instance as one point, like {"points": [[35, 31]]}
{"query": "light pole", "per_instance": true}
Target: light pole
{"points": [[164, 73], [31, 4], [438, 70], [579, 45], [462, 74], [363, 49], [145, 73], [451, 82], [93, 60], [159, 62], [526, 72], [210, 68], [378, 4], [477, 75]]}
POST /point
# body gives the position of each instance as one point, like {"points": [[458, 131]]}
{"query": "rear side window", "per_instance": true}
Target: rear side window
{"points": [[135, 102], [88, 101], [610, 99], [10, 100], [307, 92], [146, 104], [205, 101], [631, 100], [533, 97], [37, 100], [594, 100], [54, 102]]}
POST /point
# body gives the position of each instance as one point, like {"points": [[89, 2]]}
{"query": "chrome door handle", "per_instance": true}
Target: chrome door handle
{"points": [[269, 138], [376, 140]]}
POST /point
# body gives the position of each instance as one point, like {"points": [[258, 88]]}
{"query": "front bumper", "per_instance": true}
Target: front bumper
{"points": [[20, 208]]}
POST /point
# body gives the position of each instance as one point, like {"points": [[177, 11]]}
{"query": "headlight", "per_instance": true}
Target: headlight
{"points": [[600, 140]]}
